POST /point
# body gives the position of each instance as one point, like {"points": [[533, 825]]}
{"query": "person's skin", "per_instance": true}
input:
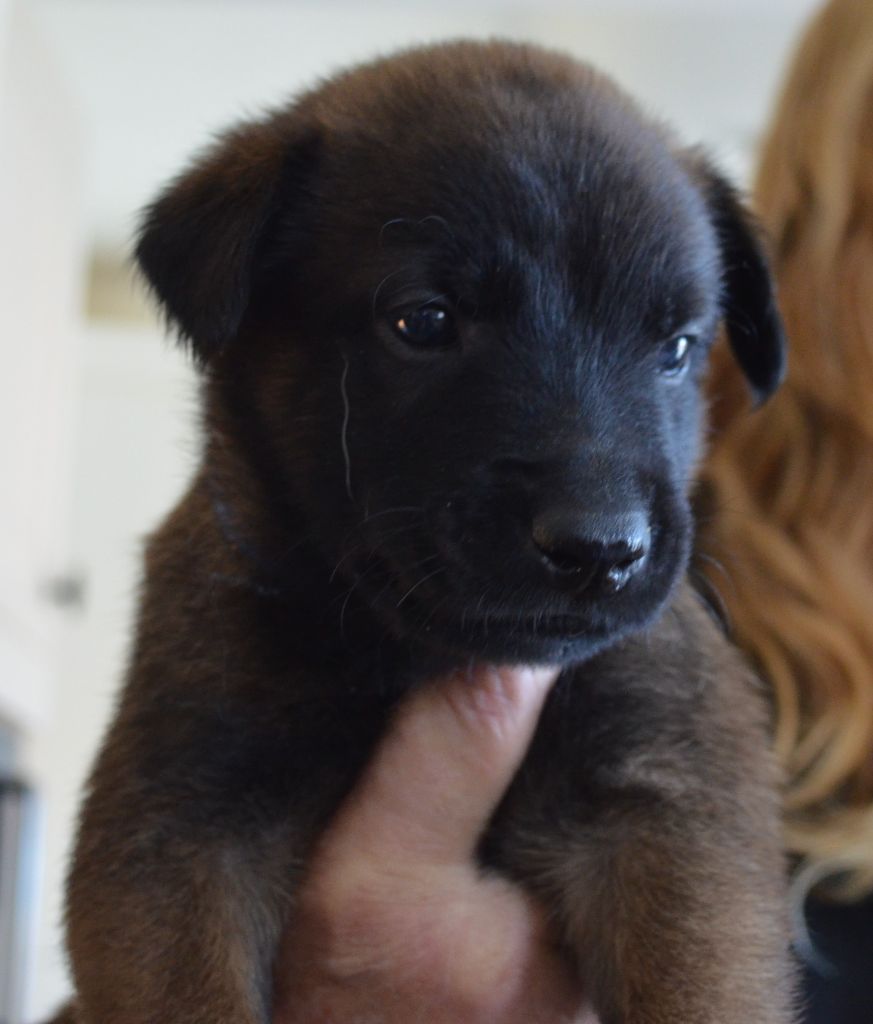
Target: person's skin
{"points": [[396, 924]]}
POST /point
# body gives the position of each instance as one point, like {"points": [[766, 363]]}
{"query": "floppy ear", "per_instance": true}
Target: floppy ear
{"points": [[200, 241], [754, 325]]}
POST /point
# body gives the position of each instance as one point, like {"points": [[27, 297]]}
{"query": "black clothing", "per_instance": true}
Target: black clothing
{"points": [[839, 983]]}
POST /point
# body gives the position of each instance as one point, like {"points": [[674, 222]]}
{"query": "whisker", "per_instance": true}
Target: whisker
{"points": [[379, 288], [714, 562], [414, 587], [342, 615], [422, 627], [359, 578], [344, 433], [361, 545], [709, 592], [377, 515], [407, 569], [390, 224], [390, 511]]}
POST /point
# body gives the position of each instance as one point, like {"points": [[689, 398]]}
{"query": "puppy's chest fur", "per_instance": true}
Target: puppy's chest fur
{"points": [[645, 807], [452, 311]]}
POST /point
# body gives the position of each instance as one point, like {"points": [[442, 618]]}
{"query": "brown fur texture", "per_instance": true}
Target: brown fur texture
{"points": [[267, 660]]}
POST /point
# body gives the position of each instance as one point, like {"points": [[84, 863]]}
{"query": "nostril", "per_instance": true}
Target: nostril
{"points": [[562, 553], [580, 570], [618, 574], [626, 558]]}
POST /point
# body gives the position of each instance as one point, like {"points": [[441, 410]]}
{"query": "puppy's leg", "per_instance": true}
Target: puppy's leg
{"points": [[189, 848], [647, 818], [668, 929], [182, 933]]}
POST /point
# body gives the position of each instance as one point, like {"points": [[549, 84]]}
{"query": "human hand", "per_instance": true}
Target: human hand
{"points": [[396, 923]]}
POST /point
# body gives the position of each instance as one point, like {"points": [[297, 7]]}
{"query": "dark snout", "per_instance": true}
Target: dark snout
{"points": [[543, 559], [595, 551]]}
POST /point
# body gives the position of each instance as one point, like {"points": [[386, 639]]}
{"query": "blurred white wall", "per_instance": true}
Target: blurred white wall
{"points": [[42, 264], [134, 445], [40, 289], [155, 77], [145, 83]]}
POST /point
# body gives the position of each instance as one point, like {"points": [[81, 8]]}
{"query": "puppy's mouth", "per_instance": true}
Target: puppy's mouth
{"points": [[567, 627], [436, 601]]}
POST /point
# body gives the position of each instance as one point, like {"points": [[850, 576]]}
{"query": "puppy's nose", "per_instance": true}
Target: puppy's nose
{"points": [[583, 550]]}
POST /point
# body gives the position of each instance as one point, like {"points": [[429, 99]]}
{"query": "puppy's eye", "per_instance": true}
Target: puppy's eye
{"points": [[674, 355], [428, 327]]}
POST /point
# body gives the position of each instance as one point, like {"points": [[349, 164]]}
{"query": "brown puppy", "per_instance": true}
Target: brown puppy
{"points": [[452, 311]]}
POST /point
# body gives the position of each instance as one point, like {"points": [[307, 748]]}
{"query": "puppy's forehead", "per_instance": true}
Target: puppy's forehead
{"points": [[516, 153]]}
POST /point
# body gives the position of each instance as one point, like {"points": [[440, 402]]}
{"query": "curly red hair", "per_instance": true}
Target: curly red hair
{"points": [[792, 484]]}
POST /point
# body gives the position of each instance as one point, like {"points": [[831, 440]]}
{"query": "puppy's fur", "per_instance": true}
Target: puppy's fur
{"points": [[437, 304]]}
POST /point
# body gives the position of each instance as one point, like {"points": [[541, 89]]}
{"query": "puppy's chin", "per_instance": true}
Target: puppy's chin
{"points": [[540, 638], [524, 641]]}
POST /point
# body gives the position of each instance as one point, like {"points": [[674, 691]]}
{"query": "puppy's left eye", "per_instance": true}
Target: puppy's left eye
{"points": [[428, 327], [674, 355]]}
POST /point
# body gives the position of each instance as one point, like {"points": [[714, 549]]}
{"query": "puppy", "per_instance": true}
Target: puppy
{"points": [[452, 311]]}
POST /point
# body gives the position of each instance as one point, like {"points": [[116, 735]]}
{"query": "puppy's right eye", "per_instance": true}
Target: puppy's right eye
{"points": [[428, 327]]}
